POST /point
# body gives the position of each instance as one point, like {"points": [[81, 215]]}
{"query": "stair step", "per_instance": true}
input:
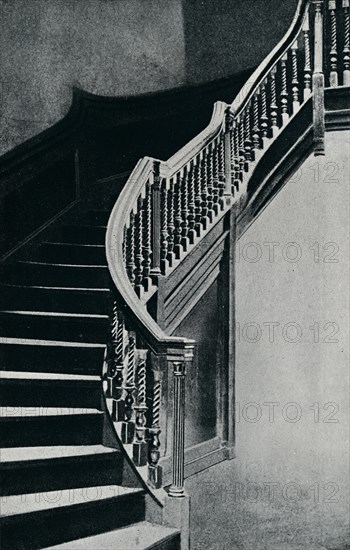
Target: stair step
{"points": [[57, 275], [52, 325], [27, 355], [68, 253], [82, 234], [37, 389], [41, 426], [42, 519], [38, 469], [69, 300], [139, 536]]}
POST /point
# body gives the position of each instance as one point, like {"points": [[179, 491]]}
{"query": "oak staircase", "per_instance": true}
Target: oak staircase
{"points": [[93, 362]]}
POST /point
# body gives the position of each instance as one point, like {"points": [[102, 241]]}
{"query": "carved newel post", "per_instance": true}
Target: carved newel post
{"points": [[318, 81], [140, 447], [177, 486]]}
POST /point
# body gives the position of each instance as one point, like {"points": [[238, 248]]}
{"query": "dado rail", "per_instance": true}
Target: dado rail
{"points": [[166, 210]]}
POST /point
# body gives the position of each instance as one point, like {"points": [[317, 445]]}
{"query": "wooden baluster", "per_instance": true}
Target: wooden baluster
{"points": [[247, 135], [222, 170], [146, 226], [264, 119], [204, 191], [191, 204], [154, 470], [210, 181], [164, 250], [140, 446], [117, 382], [318, 82], [171, 223], [333, 54], [128, 426], [242, 162], [295, 78], [307, 52], [198, 199], [237, 175], [215, 163], [156, 207], [184, 209], [346, 50], [139, 248], [130, 250], [284, 90], [273, 106], [228, 155], [256, 127], [177, 486], [178, 217], [125, 238]]}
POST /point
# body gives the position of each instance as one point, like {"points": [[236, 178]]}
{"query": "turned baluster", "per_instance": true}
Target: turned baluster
{"points": [[155, 226], [128, 426], [235, 154], [178, 217], [171, 223], [184, 210], [198, 198], [222, 170], [256, 128], [140, 446], [164, 249], [216, 180], [117, 382], [204, 191], [139, 247], [146, 225], [191, 204], [227, 156], [242, 163], [130, 249], [346, 50], [273, 106], [333, 54], [124, 245], [210, 181], [295, 78], [264, 119], [154, 469], [318, 82], [307, 52], [284, 90], [248, 146], [177, 486]]}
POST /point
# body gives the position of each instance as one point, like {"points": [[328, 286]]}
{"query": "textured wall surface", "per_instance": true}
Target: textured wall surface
{"points": [[121, 47], [303, 367]]}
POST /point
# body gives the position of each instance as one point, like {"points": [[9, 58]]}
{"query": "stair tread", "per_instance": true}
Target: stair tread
{"points": [[32, 262], [38, 502], [64, 288], [88, 245], [55, 343], [27, 413], [19, 375], [138, 536], [27, 454], [55, 314]]}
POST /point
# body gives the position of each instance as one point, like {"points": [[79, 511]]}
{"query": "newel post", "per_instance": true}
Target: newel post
{"points": [[228, 159], [318, 81], [156, 221], [177, 487]]}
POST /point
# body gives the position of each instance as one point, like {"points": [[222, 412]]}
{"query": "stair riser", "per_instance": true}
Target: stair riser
{"points": [[53, 328], [60, 474], [33, 393], [70, 254], [36, 358], [82, 234], [56, 276], [65, 301], [62, 525], [26, 431]]}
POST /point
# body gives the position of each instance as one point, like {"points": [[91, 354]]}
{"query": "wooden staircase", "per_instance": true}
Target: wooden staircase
{"points": [[59, 480]]}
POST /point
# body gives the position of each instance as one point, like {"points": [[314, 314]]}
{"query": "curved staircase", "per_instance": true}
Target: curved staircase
{"points": [[59, 480]]}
